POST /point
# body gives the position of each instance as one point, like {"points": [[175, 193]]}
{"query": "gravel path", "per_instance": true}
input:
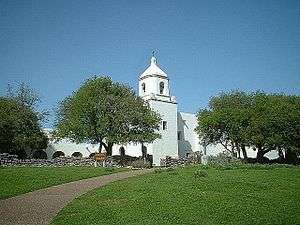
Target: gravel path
{"points": [[40, 207]]}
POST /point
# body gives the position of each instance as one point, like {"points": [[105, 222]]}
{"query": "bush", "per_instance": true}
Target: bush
{"points": [[109, 170], [170, 169], [223, 159], [258, 166], [77, 154], [140, 163], [158, 170], [226, 162], [200, 173]]}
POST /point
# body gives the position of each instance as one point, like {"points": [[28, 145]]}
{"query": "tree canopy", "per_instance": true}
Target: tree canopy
{"points": [[261, 121], [27, 97], [20, 131], [20, 122], [102, 111]]}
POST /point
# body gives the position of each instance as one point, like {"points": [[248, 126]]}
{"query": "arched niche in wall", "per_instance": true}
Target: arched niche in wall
{"points": [[161, 87]]}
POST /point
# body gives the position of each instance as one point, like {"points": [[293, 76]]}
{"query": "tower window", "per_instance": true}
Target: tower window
{"points": [[179, 135], [144, 87], [164, 125], [161, 87]]}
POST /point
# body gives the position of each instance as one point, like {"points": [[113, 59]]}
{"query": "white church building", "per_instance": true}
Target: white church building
{"points": [[177, 129]]}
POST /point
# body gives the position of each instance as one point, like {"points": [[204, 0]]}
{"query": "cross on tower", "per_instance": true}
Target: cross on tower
{"points": [[153, 53]]}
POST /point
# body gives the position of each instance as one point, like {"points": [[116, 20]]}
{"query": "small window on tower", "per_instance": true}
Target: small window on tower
{"points": [[144, 87], [164, 125], [161, 87], [179, 135]]}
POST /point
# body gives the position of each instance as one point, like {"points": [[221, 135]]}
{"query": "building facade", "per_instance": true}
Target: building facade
{"points": [[177, 129]]}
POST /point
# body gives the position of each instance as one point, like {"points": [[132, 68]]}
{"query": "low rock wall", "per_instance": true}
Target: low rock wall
{"points": [[12, 160], [172, 162]]}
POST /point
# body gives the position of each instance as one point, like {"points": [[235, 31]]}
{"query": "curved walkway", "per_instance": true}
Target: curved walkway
{"points": [[40, 207]]}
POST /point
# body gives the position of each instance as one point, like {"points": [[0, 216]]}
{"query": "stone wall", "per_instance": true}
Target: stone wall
{"points": [[12, 160], [172, 162]]}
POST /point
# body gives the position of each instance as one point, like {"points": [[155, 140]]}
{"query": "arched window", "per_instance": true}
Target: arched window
{"points": [[58, 154], [39, 154], [161, 87], [144, 151], [77, 154], [122, 151], [144, 87]]}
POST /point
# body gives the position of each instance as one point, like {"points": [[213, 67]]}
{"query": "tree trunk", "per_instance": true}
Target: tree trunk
{"points": [[243, 147], [280, 155], [109, 148], [290, 157], [260, 155], [238, 151], [100, 147]]}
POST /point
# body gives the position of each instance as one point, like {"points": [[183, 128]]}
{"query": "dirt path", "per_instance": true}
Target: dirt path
{"points": [[40, 207]]}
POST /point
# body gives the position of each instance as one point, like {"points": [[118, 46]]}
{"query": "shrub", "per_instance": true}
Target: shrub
{"points": [[224, 159], [200, 173], [170, 169], [140, 164], [158, 170], [77, 154], [109, 169]]}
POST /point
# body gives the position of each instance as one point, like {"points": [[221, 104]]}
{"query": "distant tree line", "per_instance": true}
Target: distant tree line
{"points": [[264, 122]]}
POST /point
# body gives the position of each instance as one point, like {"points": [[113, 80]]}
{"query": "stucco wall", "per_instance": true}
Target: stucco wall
{"points": [[188, 140], [152, 86], [69, 148], [130, 149], [167, 145]]}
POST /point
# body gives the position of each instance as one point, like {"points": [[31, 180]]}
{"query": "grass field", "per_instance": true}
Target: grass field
{"points": [[19, 180], [237, 196]]}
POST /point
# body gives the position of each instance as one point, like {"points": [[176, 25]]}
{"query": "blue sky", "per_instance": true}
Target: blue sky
{"points": [[204, 46]]}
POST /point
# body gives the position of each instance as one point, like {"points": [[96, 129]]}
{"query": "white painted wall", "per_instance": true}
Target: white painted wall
{"points": [[216, 149], [152, 86], [68, 147], [189, 141], [167, 145], [130, 149]]}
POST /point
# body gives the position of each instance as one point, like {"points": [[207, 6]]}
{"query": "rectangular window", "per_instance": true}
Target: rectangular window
{"points": [[164, 125], [179, 135]]}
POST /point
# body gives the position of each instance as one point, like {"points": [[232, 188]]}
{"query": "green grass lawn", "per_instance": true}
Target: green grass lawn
{"points": [[237, 196], [19, 180]]}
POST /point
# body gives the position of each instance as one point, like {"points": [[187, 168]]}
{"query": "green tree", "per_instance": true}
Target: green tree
{"points": [[275, 125], [27, 97], [20, 131], [225, 121], [106, 113], [264, 122]]}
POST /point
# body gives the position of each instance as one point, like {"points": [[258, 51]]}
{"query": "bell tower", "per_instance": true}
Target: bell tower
{"points": [[154, 83], [154, 87]]}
